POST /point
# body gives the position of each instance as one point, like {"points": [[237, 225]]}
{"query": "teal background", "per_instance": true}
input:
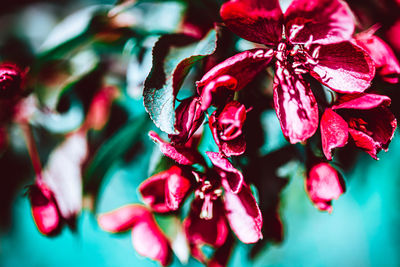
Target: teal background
{"points": [[363, 229]]}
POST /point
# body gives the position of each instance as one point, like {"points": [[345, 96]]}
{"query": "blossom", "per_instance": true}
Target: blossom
{"points": [[12, 79], [310, 37], [365, 117], [165, 191], [147, 238], [210, 208], [386, 63], [44, 209], [323, 184], [226, 126]]}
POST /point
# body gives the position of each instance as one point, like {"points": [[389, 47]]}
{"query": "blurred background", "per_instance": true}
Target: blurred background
{"points": [[72, 49]]}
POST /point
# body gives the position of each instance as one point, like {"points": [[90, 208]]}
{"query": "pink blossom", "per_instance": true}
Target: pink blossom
{"points": [[315, 40], [365, 117], [323, 184], [44, 209]]}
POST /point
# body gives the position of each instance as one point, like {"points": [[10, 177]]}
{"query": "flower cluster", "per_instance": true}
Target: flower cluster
{"points": [[326, 79], [312, 42]]}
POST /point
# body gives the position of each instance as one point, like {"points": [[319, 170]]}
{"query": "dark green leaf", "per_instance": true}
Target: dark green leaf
{"points": [[112, 150], [173, 57]]}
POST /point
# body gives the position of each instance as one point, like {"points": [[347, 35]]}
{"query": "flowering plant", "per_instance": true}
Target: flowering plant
{"points": [[189, 122]]}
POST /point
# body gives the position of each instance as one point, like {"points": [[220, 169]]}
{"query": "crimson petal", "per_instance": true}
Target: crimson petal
{"points": [[202, 231], [324, 184], [153, 191], [122, 219], [44, 209], [182, 155], [243, 214], [177, 188], [149, 241], [385, 60], [165, 191], [334, 132], [227, 171], [254, 20], [361, 101], [344, 67], [234, 147], [295, 105], [318, 21], [233, 73], [372, 130]]}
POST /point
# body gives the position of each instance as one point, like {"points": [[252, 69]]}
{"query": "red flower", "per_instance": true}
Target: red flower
{"points": [[226, 127], [323, 184], [44, 209], [165, 191], [210, 209], [365, 117], [11, 80], [147, 238], [315, 40], [386, 63]]}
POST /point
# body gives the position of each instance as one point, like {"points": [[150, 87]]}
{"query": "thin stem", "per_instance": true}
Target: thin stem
{"points": [[32, 150]]}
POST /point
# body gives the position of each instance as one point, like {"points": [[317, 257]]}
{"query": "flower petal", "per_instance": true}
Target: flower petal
{"points": [[254, 20], [372, 130], [44, 209], [324, 184], [334, 132], [243, 214], [177, 188], [295, 105], [149, 241], [385, 60], [226, 170], [153, 191], [202, 231], [189, 118], [122, 219], [165, 191], [182, 155], [361, 101], [227, 129], [344, 67], [322, 21], [233, 73]]}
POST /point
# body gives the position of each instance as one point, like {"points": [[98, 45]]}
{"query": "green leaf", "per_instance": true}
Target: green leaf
{"points": [[173, 57], [112, 150]]}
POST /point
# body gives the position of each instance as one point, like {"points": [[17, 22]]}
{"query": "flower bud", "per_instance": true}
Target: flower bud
{"points": [[189, 117], [44, 209], [324, 184], [11, 80], [226, 127]]}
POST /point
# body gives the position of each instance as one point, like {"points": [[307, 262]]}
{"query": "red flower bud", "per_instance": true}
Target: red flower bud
{"points": [[226, 128], [323, 184], [189, 117], [11, 80], [44, 209]]}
